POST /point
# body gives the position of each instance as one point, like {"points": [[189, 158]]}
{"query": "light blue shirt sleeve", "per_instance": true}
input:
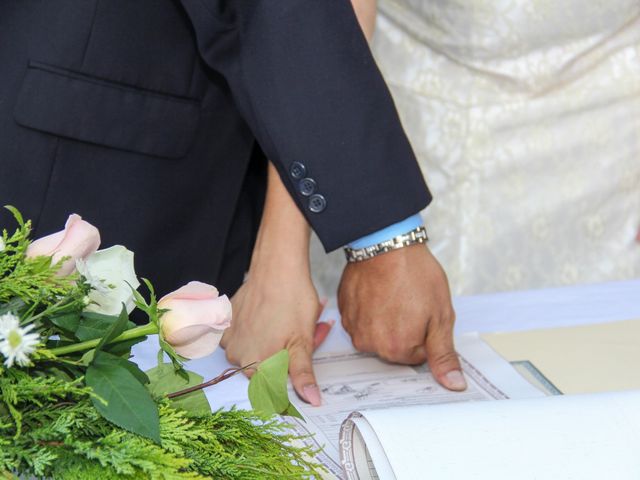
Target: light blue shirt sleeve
{"points": [[406, 225]]}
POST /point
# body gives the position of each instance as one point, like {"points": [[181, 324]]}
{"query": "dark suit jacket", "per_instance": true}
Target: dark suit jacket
{"points": [[150, 118]]}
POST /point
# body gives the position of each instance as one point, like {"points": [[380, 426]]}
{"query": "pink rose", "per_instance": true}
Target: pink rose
{"points": [[196, 319], [78, 240]]}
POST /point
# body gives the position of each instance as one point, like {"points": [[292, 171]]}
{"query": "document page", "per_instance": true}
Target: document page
{"points": [[351, 381], [586, 437]]}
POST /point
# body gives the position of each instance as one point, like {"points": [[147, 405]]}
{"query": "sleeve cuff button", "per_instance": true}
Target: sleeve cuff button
{"points": [[317, 203]]}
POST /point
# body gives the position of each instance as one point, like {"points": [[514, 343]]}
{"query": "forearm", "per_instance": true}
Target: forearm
{"points": [[284, 232], [366, 13], [283, 237]]}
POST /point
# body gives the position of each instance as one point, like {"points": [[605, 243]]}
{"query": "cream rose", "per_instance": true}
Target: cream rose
{"points": [[195, 320], [111, 274], [78, 240]]}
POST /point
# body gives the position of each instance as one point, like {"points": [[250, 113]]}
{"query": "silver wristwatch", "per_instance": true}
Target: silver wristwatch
{"points": [[417, 235]]}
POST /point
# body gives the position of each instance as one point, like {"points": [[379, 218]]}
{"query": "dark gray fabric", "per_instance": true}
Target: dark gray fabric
{"points": [[150, 119], [77, 106]]}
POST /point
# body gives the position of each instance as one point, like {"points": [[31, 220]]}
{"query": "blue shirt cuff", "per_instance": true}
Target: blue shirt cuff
{"points": [[389, 232]]}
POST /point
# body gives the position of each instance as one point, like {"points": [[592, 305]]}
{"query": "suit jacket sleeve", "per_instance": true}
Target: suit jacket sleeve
{"points": [[304, 79]]}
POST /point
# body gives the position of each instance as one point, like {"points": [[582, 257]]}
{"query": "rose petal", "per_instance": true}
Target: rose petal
{"points": [[78, 240], [214, 313], [45, 246], [193, 291], [81, 240], [112, 269], [196, 341]]}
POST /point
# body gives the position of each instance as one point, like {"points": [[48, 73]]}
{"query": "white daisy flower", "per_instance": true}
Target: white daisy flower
{"points": [[16, 342], [8, 322]]}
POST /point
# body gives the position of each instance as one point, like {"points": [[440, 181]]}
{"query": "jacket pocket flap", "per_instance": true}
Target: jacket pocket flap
{"points": [[89, 109]]}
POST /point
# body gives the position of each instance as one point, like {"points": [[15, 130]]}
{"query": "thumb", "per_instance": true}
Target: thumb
{"points": [[301, 372], [442, 358]]}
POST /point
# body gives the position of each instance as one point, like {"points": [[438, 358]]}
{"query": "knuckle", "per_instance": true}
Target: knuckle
{"points": [[395, 348], [360, 344], [447, 358], [300, 344], [441, 327]]}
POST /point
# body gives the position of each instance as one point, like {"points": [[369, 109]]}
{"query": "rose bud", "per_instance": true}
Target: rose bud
{"points": [[78, 240], [196, 319]]}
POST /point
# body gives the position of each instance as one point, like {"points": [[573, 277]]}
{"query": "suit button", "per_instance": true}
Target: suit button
{"points": [[307, 186], [317, 203], [297, 170]]}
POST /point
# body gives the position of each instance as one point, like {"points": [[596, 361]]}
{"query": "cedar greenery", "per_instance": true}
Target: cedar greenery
{"points": [[54, 425], [49, 428]]}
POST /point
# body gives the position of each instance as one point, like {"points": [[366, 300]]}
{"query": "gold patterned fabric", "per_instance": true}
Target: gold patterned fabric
{"points": [[525, 116]]}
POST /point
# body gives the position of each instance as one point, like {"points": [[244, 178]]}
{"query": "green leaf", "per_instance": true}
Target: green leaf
{"points": [[123, 348], [116, 329], [133, 368], [88, 356], [68, 321], [16, 214], [292, 411], [129, 404], [150, 308], [176, 359], [164, 380], [139, 300], [268, 385], [94, 325]]}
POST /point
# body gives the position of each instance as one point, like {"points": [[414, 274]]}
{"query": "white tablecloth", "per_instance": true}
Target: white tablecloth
{"points": [[507, 311]]}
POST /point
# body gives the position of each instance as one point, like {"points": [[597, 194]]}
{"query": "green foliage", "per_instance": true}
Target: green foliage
{"points": [[96, 325], [165, 380], [123, 399], [32, 282], [115, 329], [268, 387], [64, 437], [155, 317], [82, 410]]}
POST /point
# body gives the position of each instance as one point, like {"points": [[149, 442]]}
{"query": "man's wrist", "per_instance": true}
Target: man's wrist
{"points": [[394, 237], [388, 233]]}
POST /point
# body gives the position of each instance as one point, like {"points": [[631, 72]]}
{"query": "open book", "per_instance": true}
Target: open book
{"points": [[395, 422], [583, 437]]}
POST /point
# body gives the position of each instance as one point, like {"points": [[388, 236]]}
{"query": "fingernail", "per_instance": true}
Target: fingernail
{"points": [[455, 380], [312, 395]]}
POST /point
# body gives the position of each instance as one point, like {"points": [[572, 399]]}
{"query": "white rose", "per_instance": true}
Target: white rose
{"points": [[111, 274]]}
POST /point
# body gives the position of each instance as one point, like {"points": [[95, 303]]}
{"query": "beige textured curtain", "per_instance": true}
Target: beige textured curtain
{"points": [[525, 116]]}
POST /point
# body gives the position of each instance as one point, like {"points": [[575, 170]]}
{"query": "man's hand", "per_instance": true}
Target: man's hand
{"points": [[398, 305]]}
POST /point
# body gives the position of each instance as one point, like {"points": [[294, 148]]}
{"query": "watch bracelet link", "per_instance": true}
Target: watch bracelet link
{"points": [[417, 235]]}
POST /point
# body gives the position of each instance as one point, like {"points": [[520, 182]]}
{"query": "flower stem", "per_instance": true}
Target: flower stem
{"points": [[228, 373], [136, 332]]}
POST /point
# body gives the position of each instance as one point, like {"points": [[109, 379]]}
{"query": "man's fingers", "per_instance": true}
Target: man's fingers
{"points": [[322, 328], [322, 332], [301, 371], [442, 357]]}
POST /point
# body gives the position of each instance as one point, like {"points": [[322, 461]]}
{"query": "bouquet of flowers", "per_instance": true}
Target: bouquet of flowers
{"points": [[74, 406]]}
